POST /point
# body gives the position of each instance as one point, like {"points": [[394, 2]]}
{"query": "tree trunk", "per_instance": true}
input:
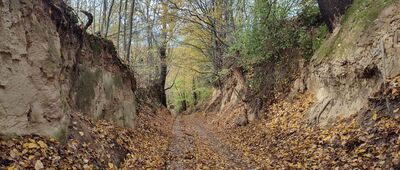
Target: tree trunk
{"points": [[78, 5], [128, 55], [104, 17], [163, 75], [163, 55], [125, 26], [94, 17], [217, 45], [332, 10], [183, 105], [119, 27], [108, 17], [194, 93]]}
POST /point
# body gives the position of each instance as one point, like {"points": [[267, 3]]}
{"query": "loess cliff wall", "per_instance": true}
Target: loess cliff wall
{"points": [[50, 67]]}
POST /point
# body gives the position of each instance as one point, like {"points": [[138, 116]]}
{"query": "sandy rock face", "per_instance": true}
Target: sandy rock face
{"points": [[343, 85], [104, 87], [30, 96], [48, 71]]}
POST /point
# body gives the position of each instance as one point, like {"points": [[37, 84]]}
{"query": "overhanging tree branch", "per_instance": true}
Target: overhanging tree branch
{"points": [[90, 19]]}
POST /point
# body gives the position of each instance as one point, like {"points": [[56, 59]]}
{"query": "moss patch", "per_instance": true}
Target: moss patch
{"points": [[95, 45], [118, 81], [61, 136], [108, 83], [357, 19], [86, 89]]}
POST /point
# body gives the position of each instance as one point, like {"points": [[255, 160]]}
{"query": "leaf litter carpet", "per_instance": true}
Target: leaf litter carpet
{"points": [[282, 139]]}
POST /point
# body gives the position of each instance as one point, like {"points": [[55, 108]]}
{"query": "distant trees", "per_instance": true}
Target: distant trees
{"points": [[128, 52], [109, 15], [153, 35]]}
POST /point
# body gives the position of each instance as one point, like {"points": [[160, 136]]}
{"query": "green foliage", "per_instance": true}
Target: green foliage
{"points": [[357, 19], [203, 92], [95, 45], [309, 43], [364, 12], [183, 92], [278, 28], [276, 34], [323, 32], [61, 135]]}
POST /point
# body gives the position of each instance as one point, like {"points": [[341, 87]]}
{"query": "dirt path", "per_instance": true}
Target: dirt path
{"points": [[194, 146], [180, 152]]}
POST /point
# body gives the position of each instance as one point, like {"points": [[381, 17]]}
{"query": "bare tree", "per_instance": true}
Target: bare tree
{"points": [[125, 26], [94, 16], [78, 5], [128, 55], [108, 18], [103, 17], [119, 25]]}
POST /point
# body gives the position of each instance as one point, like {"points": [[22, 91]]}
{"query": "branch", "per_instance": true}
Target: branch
{"points": [[90, 19], [173, 84]]}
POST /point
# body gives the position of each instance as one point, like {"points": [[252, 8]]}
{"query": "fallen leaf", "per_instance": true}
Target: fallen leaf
{"points": [[42, 144], [14, 153], [12, 168], [110, 165], [375, 116], [30, 145], [39, 165]]}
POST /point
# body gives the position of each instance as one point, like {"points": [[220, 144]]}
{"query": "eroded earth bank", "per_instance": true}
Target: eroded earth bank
{"points": [[67, 101]]}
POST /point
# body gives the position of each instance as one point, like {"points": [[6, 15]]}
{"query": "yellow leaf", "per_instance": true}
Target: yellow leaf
{"points": [[360, 150], [375, 116], [86, 166], [39, 165], [30, 145], [12, 168], [62, 77], [14, 153], [111, 165], [42, 144]]}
